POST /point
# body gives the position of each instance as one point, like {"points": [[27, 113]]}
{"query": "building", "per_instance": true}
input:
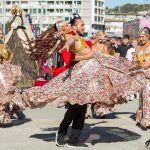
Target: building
{"points": [[46, 12], [114, 22]]}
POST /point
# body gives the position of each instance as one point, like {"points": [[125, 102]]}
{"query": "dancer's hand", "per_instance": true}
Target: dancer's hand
{"points": [[9, 61], [65, 47], [145, 66]]}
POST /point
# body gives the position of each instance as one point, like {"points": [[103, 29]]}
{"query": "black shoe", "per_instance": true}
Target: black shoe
{"points": [[20, 115], [77, 145], [104, 117], [147, 143], [59, 140]]}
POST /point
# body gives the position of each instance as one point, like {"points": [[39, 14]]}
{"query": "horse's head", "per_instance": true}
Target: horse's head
{"points": [[22, 27], [16, 10]]}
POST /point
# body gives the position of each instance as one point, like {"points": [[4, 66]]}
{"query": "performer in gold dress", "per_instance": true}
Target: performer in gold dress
{"points": [[10, 98], [143, 60]]}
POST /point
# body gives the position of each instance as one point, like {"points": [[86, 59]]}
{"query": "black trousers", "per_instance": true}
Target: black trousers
{"points": [[75, 113]]}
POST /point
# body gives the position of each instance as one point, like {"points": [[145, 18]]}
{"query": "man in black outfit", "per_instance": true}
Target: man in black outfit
{"points": [[75, 113], [125, 46]]}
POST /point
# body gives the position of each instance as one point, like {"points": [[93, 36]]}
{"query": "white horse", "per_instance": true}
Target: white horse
{"points": [[20, 40], [21, 25]]}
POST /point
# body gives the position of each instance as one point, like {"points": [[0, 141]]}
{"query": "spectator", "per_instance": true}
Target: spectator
{"points": [[125, 46], [114, 42], [119, 41], [131, 51]]}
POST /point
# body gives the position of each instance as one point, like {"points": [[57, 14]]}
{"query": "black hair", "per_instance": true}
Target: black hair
{"points": [[75, 18], [115, 37], [126, 36], [119, 38]]}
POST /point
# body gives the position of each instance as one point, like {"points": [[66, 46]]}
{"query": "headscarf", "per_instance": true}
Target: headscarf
{"points": [[145, 31]]}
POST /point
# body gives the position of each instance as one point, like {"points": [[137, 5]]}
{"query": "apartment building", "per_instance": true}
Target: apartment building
{"points": [[46, 12], [114, 22]]}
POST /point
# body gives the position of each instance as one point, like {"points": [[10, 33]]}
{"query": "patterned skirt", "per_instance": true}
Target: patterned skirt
{"points": [[103, 80], [10, 98], [143, 112]]}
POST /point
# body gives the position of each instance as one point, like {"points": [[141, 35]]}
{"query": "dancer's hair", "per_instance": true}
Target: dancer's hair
{"points": [[47, 43], [73, 21], [111, 50]]}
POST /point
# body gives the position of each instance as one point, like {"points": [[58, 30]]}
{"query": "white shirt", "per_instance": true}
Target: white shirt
{"points": [[130, 54]]}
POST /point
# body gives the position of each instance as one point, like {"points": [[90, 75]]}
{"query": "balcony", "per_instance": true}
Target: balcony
{"points": [[50, 6], [24, 5], [68, 6], [50, 13]]}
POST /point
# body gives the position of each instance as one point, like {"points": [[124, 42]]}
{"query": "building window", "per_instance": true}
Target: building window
{"points": [[95, 18], [66, 18], [39, 11], [124, 16], [68, 10], [77, 11], [95, 10], [101, 4], [26, 10], [50, 10], [79, 2], [59, 2], [24, 2], [50, 3], [117, 16], [59, 10], [95, 2], [15, 2], [68, 3], [34, 11], [7, 2], [44, 11], [7, 10]]}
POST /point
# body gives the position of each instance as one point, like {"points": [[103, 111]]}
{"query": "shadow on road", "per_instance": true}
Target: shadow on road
{"points": [[93, 134], [15, 123], [114, 115]]}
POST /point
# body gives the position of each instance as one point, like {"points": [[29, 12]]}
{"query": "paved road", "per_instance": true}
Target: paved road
{"points": [[37, 131]]}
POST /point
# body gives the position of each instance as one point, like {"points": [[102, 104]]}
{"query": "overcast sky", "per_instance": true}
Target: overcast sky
{"points": [[113, 3]]}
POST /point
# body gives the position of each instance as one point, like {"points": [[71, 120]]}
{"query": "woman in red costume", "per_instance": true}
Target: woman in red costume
{"points": [[102, 78], [68, 58]]}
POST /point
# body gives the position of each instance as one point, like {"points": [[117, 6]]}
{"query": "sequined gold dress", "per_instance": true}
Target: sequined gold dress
{"points": [[143, 113], [10, 98]]}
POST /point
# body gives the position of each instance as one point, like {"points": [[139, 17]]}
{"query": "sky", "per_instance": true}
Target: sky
{"points": [[113, 3]]}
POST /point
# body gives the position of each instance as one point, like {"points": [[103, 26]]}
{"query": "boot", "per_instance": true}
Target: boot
{"points": [[74, 139]]}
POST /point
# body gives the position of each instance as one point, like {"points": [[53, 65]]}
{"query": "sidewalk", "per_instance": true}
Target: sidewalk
{"points": [[118, 132]]}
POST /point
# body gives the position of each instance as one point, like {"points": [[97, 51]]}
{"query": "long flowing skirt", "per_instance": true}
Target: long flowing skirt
{"points": [[10, 98], [143, 112], [103, 80]]}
